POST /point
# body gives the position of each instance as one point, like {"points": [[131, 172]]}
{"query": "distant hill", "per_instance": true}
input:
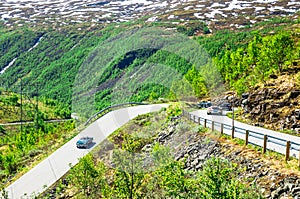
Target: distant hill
{"points": [[225, 14]]}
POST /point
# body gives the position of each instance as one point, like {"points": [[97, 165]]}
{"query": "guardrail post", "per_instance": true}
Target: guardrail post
{"points": [[287, 152], [232, 132], [299, 158], [265, 143], [212, 126], [199, 120], [247, 137], [205, 121], [194, 118], [222, 128]]}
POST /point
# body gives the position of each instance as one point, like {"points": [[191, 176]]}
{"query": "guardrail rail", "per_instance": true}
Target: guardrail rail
{"points": [[269, 142], [108, 109]]}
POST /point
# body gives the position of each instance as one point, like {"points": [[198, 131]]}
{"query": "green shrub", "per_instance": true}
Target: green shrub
{"points": [[218, 180]]}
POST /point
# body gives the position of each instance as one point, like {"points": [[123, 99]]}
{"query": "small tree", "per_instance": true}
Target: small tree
{"points": [[89, 177], [218, 180], [129, 175]]}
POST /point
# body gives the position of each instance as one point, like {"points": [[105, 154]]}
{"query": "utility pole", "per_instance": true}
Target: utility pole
{"points": [[33, 93], [36, 92], [37, 105], [232, 115], [21, 85]]}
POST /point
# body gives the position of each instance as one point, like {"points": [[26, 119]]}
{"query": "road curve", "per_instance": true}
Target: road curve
{"points": [[57, 164], [254, 140]]}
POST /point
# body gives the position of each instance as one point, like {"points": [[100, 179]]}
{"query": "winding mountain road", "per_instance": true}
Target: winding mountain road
{"points": [[57, 164]]}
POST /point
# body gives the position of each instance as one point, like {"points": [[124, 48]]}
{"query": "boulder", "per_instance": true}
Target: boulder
{"points": [[295, 191], [278, 192], [294, 94]]}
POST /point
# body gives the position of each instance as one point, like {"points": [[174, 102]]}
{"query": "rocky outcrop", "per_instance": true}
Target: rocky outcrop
{"points": [[274, 105]]}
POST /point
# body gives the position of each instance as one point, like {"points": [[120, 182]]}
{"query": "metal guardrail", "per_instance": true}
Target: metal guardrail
{"points": [[289, 145], [108, 109]]}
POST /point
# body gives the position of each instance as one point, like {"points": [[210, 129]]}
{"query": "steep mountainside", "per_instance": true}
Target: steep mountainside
{"points": [[50, 59]]}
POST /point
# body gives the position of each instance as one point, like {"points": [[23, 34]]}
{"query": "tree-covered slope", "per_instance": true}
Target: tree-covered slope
{"points": [[14, 43], [50, 59], [53, 64]]}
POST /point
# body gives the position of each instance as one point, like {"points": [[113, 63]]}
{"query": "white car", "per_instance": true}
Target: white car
{"points": [[214, 110]]}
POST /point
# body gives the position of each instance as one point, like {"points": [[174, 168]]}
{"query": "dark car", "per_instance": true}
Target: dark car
{"points": [[297, 114], [226, 107], [204, 104], [214, 110], [84, 142]]}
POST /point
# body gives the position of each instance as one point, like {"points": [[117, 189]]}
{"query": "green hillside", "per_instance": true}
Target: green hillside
{"points": [[54, 63]]}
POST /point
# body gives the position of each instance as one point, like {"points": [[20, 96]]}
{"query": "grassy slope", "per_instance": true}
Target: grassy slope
{"points": [[10, 108], [21, 150]]}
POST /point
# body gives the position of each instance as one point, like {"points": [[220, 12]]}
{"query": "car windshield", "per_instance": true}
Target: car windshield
{"points": [[80, 142]]}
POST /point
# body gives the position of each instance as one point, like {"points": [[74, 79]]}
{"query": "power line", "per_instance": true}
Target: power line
{"points": [[36, 93], [21, 120]]}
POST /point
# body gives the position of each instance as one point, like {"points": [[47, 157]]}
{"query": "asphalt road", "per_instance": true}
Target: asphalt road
{"points": [[57, 164], [276, 140]]}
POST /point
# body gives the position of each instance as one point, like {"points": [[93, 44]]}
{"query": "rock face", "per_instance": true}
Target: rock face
{"points": [[195, 149], [274, 105]]}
